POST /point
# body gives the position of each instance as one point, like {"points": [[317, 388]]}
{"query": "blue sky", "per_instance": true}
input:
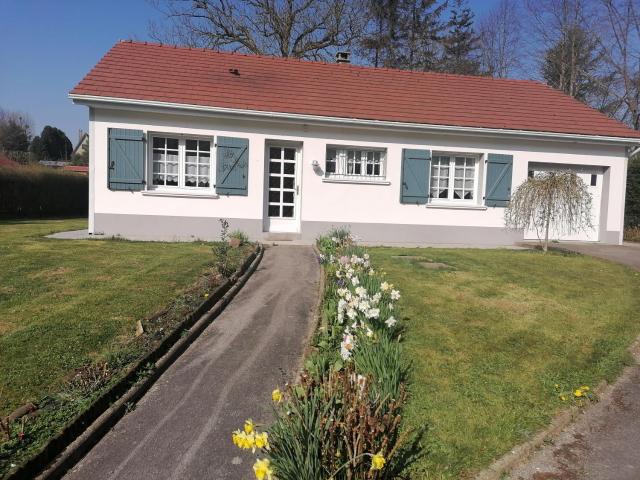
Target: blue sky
{"points": [[49, 45]]}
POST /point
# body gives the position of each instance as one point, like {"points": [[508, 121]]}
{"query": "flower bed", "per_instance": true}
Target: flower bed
{"points": [[342, 419]]}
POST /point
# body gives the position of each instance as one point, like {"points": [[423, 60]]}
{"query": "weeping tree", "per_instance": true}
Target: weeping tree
{"points": [[559, 198]]}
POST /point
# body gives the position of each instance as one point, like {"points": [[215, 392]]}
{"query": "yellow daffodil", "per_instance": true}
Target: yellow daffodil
{"points": [[563, 398], [248, 426], [584, 388], [243, 440], [578, 393], [276, 395], [377, 461], [262, 440], [262, 469]]}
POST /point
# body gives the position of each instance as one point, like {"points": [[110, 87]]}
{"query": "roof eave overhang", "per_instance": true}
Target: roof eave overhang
{"points": [[162, 107]]}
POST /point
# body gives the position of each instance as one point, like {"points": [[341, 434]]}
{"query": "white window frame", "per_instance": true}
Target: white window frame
{"points": [[182, 156], [450, 200], [346, 164]]}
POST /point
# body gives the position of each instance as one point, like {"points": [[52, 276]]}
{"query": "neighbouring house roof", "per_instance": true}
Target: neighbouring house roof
{"points": [[82, 143], [83, 169], [179, 75], [6, 161]]}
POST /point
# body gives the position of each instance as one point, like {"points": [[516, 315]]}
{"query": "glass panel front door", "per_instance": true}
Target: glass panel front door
{"points": [[282, 182]]}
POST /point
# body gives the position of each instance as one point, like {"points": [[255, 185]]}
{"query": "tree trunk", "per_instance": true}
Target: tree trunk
{"points": [[545, 245]]}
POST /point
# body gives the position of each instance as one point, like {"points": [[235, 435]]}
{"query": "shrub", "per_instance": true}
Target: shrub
{"points": [[39, 191]]}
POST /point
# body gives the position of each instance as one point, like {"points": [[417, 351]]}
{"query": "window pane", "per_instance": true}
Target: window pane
{"points": [[330, 166], [287, 197], [158, 142], [274, 196], [331, 153], [287, 211], [192, 144], [274, 152], [289, 168], [289, 153], [203, 182], [274, 167], [205, 145], [287, 182], [274, 210], [274, 182], [172, 143]]}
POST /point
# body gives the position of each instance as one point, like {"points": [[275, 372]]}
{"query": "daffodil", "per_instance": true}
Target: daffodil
{"points": [[578, 393], [243, 440], [262, 440], [563, 398], [584, 388], [276, 395], [377, 461], [248, 426], [262, 469]]}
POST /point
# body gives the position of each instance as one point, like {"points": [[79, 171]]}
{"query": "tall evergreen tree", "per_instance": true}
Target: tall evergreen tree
{"points": [[460, 44], [51, 144], [420, 33], [573, 63], [379, 41]]}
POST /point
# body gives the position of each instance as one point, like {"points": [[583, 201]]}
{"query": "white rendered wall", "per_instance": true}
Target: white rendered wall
{"points": [[334, 202]]}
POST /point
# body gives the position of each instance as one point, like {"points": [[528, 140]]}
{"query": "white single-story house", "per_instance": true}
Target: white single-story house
{"points": [[286, 149]]}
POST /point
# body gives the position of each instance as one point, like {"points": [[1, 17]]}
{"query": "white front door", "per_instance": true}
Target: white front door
{"points": [[283, 189], [593, 178]]}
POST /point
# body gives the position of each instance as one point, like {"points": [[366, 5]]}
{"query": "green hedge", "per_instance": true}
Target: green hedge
{"points": [[632, 207], [43, 192]]}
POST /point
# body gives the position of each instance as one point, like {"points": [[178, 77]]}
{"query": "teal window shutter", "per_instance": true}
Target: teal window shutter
{"points": [[126, 159], [416, 172], [498, 186], [232, 166]]}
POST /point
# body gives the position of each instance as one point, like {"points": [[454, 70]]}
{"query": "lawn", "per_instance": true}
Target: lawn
{"points": [[64, 303], [490, 337]]}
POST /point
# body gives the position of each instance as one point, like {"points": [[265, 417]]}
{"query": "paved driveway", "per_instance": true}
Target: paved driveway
{"points": [[604, 442], [181, 429], [627, 254]]}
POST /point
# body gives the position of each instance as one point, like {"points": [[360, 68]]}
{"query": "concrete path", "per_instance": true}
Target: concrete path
{"points": [[182, 428], [604, 442]]}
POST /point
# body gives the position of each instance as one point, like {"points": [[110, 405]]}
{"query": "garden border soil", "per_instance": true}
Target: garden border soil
{"points": [[64, 450]]}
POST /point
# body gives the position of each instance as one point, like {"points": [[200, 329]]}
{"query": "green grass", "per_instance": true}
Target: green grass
{"points": [[492, 335], [66, 303]]}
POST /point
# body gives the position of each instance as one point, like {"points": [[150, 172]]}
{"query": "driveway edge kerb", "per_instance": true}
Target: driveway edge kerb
{"points": [[524, 451], [65, 449]]}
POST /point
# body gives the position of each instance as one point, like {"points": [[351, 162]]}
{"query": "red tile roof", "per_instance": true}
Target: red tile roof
{"points": [[141, 71], [7, 162], [77, 168]]}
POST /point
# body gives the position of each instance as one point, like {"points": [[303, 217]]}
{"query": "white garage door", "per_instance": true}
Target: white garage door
{"points": [[593, 177]]}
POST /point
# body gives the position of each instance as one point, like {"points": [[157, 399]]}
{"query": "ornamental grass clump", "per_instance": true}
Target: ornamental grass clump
{"points": [[342, 420]]}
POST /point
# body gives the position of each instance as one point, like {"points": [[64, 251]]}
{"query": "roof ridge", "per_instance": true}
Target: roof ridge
{"points": [[337, 65]]}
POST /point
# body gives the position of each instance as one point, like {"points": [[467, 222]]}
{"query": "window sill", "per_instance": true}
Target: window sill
{"points": [[453, 206], [184, 194], [355, 181]]}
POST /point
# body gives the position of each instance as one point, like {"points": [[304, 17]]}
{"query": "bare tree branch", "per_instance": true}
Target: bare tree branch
{"points": [[310, 29]]}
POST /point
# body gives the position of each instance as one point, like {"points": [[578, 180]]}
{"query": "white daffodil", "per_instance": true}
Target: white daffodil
{"points": [[351, 313], [390, 322], [347, 345], [373, 313], [355, 281], [361, 291], [384, 286], [395, 294]]}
